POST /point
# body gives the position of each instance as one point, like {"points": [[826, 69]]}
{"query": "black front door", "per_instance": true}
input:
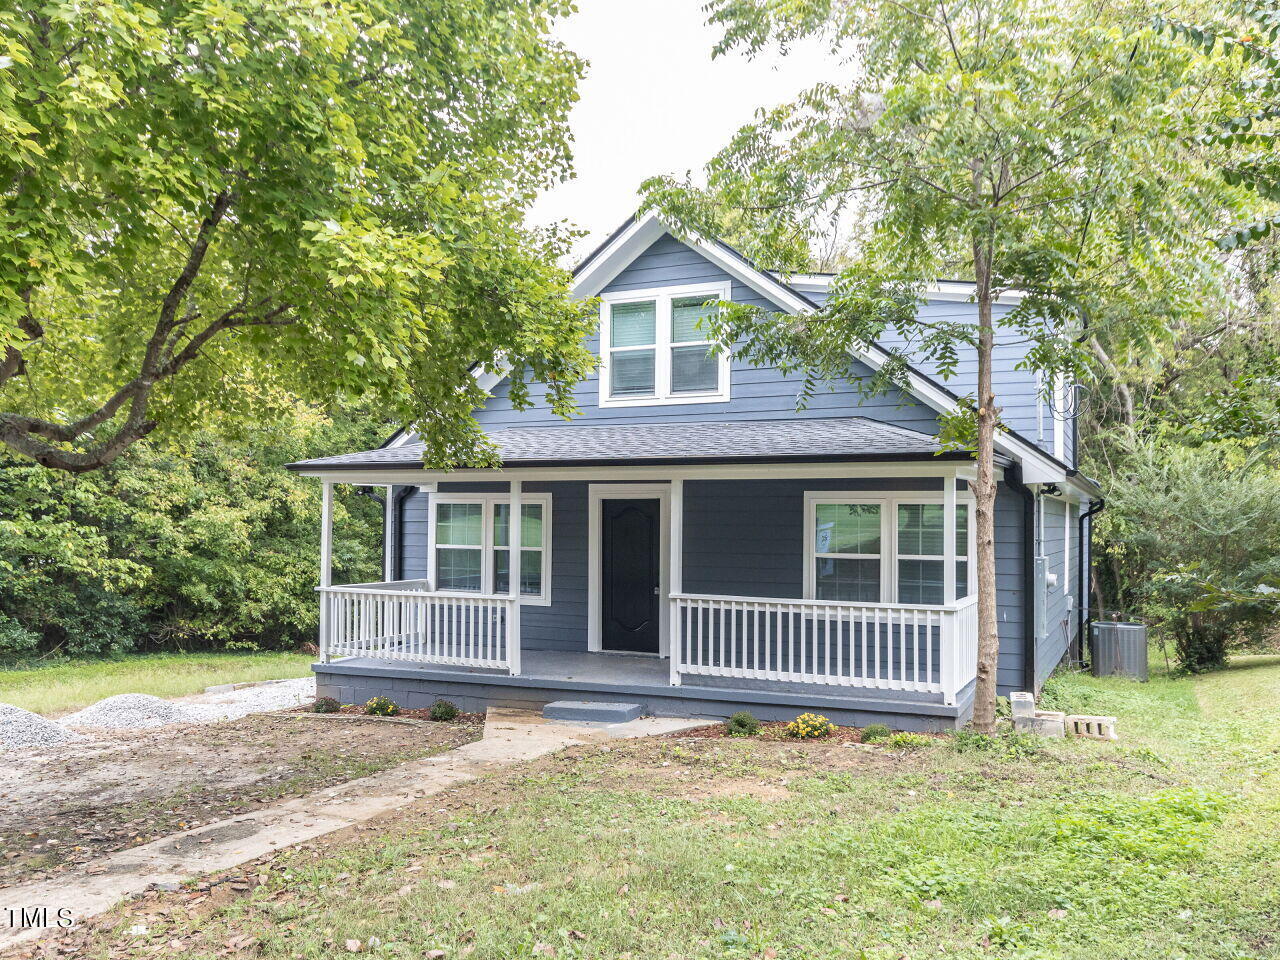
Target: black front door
{"points": [[629, 575]]}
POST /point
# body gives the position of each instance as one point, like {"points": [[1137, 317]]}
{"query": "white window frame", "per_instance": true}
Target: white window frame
{"points": [[889, 556], [662, 347], [489, 501]]}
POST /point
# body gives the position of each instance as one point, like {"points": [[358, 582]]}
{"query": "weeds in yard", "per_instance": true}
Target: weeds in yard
{"points": [[875, 732], [971, 852]]}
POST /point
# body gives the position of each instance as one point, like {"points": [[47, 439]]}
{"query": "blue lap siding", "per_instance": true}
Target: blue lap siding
{"points": [[724, 554]]}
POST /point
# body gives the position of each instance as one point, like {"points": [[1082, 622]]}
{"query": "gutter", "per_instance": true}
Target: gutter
{"points": [[1013, 477], [1083, 611]]}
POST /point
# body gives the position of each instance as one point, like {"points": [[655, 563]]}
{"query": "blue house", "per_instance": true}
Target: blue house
{"points": [[694, 544]]}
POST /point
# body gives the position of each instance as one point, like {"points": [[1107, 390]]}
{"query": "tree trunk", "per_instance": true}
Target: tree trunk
{"points": [[984, 493]]}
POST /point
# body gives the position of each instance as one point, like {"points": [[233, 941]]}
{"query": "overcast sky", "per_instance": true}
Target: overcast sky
{"points": [[653, 101]]}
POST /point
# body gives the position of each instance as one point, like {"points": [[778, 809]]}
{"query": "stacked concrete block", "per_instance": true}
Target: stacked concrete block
{"points": [[1027, 719]]}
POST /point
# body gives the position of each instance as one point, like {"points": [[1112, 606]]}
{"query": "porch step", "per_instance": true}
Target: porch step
{"points": [[591, 710]]}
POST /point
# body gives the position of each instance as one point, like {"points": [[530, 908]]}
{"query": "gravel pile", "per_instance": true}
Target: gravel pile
{"points": [[20, 729], [132, 711], [280, 695]]}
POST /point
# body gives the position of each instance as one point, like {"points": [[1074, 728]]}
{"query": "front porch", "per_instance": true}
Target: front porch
{"points": [[697, 588]]}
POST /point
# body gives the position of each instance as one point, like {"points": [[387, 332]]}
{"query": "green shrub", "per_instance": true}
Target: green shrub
{"points": [[381, 707], [208, 545], [875, 732], [444, 710], [742, 724], [326, 705], [1188, 536], [909, 741], [810, 726]]}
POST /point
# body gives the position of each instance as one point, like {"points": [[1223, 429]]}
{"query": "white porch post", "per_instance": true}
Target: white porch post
{"points": [[949, 667], [326, 565], [949, 534], [675, 544], [514, 529], [388, 535]]}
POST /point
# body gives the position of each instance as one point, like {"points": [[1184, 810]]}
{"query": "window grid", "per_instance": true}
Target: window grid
{"points": [[677, 364], [890, 557], [493, 561]]}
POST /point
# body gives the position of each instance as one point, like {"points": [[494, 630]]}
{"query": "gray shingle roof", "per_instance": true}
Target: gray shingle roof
{"points": [[843, 438]]}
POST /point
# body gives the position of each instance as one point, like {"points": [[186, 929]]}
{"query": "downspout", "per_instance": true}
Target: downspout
{"points": [[1013, 477], [1082, 584]]}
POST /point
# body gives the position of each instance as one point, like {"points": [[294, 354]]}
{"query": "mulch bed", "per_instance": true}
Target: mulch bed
{"points": [[422, 713]]}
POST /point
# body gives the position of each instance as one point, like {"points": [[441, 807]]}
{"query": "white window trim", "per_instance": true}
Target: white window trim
{"points": [[488, 501], [662, 395], [889, 555]]}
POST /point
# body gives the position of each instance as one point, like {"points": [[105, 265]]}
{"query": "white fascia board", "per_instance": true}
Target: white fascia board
{"points": [[594, 275], [654, 472], [949, 290]]}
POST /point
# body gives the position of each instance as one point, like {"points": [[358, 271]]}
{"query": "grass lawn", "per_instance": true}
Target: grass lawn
{"points": [[1164, 845], [63, 687]]}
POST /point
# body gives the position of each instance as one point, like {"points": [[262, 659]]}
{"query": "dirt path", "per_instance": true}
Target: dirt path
{"points": [[72, 804], [509, 737]]}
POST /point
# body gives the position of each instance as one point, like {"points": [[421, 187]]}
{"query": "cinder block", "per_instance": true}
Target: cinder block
{"points": [[1095, 728], [1023, 705], [1044, 723]]}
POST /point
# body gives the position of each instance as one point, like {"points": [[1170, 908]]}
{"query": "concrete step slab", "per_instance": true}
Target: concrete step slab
{"points": [[590, 711]]}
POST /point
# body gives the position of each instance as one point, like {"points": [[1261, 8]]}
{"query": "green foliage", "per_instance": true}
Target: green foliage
{"points": [[970, 164], [1007, 743], [381, 707], [326, 705], [1191, 534], [444, 710], [875, 732], [212, 208], [810, 726], [1059, 694], [905, 740], [1245, 36], [1166, 828], [934, 879], [742, 724], [207, 545]]}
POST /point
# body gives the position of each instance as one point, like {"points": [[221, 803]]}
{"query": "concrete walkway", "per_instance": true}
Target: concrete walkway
{"points": [[510, 736]]}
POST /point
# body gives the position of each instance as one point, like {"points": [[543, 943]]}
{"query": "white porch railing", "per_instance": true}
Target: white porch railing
{"points": [[931, 649], [403, 620]]}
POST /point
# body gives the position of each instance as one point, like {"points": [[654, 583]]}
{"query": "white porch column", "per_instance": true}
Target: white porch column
{"points": [[675, 574], [514, 530], [949, 534], [326, 565], [388, 535], [326, 535]]}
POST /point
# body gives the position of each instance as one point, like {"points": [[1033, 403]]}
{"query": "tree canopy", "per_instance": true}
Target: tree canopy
{"points": [[1016, 144], [208, 210]]}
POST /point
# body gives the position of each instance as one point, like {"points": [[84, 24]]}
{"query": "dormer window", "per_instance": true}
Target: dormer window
{"points": [[656, 348]]}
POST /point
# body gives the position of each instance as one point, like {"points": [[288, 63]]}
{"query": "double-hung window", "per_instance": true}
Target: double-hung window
{"points": [[847, 551], [656, 347], [471, 544], [883, 549]]}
